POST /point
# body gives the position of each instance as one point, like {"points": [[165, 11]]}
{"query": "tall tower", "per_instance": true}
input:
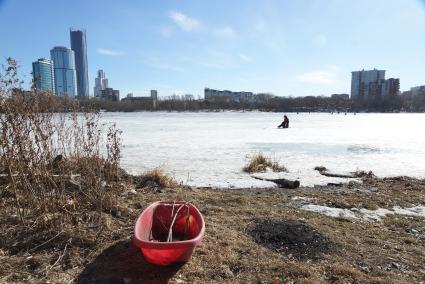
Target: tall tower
{"points": [[43, 74], [79, 46], [64, 70], [100, 83]]}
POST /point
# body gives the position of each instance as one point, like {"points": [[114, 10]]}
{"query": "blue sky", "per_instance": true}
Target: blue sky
{"points": [[297, 48]]}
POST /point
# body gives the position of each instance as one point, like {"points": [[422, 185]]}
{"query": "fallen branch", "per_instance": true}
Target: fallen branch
{"points": [[281, 182], [325, 172]]}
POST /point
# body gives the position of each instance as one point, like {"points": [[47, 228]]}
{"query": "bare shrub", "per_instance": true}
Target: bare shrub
{"points": [[260, 163], [54, 158]]}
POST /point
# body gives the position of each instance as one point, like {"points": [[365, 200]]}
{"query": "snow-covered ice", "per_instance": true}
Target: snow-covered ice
{"points": [[211, 148]]}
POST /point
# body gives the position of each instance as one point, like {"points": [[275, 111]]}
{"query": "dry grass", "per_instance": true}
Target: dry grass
{"points": [[235, 247], [155, 178], [57, 163], [260, 163]]}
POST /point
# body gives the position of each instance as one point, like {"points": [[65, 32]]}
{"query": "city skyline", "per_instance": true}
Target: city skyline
{"points": [[286, 48]]}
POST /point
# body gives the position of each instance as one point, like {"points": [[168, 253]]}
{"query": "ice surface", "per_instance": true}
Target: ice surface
{"points": [[210, 148]]}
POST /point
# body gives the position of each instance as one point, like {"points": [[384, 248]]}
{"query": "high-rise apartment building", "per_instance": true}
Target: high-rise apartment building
{"points": [[362, 82], [79, 46], [100, 83], [371, 84], [43, 75], [65, 77], [390, 88]]}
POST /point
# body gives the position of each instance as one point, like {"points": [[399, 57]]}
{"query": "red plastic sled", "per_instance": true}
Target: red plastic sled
{"points": [[152, 229]]}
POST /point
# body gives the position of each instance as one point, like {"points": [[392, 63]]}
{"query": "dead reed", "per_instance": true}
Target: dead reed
{"points": [[260, 163], [55, 160], [155, 178]]}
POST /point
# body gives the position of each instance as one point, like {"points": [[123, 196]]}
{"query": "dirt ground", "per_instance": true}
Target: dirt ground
{"points": [[252, 236]]}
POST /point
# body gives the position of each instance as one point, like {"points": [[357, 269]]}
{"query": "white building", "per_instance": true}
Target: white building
{"points": [[101, 83]]}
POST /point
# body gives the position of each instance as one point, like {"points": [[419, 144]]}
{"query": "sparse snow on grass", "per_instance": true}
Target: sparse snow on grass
{"points": [[329, 211], [373, 215], [417, 211]]}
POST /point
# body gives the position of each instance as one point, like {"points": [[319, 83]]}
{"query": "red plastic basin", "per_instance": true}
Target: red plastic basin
{"points": [[152, 227]]}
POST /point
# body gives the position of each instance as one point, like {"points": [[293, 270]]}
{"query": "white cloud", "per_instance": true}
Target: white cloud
{"points": [[109, 52], [184, 22], [245, 57], [226, 32], [317, 77], [320, 40]]}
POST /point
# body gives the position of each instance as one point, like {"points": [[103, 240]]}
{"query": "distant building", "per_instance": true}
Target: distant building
{"points": [[79, 46], [211, 94], [149, 101], [154, 95], [43, 75], [110, 94], [417, 90], [370, 84], [390, 88], [361, 81], [341, 96], [100, 83], [65, 77]]}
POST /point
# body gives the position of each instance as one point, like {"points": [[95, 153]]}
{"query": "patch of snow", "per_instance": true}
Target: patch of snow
{"points": [[375, 215], [302, 198], [329, 211], [417, 211]]}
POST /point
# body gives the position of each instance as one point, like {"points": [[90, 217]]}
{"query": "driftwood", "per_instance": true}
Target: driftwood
{"points": [[281, 182], [325, 172]]}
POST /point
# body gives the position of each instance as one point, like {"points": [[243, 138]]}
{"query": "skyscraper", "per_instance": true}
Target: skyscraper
{"points": [[79, 46], [64, 71], [371, 84], [361, 81], [100, 83], [42, 72]]}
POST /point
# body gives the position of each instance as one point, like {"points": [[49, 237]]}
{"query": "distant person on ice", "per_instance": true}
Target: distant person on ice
{"points": [[285, 122]]}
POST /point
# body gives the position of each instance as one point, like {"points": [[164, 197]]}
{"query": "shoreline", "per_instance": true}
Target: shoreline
{"points": [[252, 235]]}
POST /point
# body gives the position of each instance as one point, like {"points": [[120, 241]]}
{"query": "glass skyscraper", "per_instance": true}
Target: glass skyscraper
{"points": [[79, 46], [42, 72], [64, 70]]}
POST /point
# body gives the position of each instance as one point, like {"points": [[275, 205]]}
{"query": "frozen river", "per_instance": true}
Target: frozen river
{"points": [[210, 148]]}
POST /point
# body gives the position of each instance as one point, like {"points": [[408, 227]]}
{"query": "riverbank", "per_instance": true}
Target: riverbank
{"points": [[252, 236]]}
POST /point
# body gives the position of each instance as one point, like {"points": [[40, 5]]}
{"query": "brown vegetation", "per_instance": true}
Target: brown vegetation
{"points": [[252, 236], [260, 163], [56, 169], [155, 178]]}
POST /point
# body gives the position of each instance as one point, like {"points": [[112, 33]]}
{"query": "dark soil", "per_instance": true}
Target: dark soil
{"points": [[291, 237]]}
